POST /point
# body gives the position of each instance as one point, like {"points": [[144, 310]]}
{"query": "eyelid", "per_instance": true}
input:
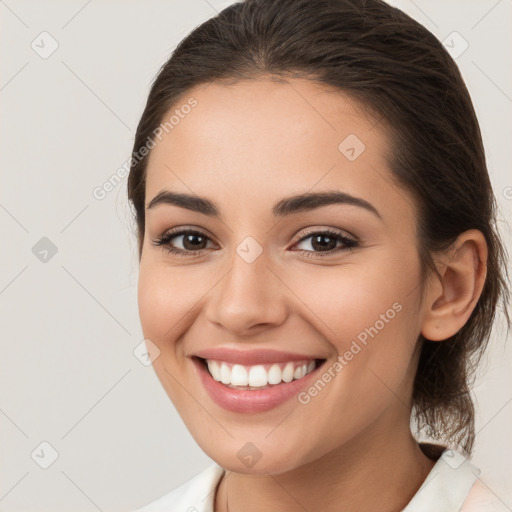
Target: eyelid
{"points": [[316, 229], [164, 239], [185, 229], [349, 242], [302, 234]]}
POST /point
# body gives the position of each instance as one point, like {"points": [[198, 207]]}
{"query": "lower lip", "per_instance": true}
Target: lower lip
{"points": [[247, 401]]}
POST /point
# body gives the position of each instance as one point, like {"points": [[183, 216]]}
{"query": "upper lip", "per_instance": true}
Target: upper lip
{"points": [[252, 357]]}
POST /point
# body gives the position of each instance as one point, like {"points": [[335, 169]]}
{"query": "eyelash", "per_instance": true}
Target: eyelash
{"points": [[348, 244]]}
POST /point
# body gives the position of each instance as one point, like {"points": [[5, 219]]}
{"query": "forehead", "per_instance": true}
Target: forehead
{"points": [[262, 139]]}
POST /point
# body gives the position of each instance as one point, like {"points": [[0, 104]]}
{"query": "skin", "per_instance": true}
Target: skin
{"points": [[245, 147]]}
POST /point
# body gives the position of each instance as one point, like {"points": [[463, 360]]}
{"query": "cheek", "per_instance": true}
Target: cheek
{"points": [[164, 299], [170, 299], [373, 331], [369, 315], [357, 299]]}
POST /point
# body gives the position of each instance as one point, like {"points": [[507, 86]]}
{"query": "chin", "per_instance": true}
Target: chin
{"points": [[254, 458], [273, 465]]}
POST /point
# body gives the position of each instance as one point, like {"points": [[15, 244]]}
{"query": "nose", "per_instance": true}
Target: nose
{"points": [[248, 299]]}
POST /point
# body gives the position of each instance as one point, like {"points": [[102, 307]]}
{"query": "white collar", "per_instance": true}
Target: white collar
{"points": [[445, 488]]}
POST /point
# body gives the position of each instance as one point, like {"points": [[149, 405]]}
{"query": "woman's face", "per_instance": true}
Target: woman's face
{"points": [[258, 289]]}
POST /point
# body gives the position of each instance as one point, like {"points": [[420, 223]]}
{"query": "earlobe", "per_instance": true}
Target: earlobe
{"points": [[450, 302]]}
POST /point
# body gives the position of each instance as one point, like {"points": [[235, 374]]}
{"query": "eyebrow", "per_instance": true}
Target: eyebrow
{"points": [[287, 206]]}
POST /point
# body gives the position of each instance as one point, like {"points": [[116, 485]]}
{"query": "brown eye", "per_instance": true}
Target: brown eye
{"points": [[325, 242], [192, 242]]}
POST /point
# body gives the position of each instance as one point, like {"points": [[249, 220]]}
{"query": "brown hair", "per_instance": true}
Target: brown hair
{"points": [[398, 70]]}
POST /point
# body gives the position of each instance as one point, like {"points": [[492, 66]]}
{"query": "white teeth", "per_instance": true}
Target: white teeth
{"points": [[258, 376], [239, 376], [274, 374], [287, 375], [225, 374], [213, 366]]}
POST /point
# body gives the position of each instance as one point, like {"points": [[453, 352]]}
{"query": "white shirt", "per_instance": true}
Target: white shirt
{"points": [[452, 485]]}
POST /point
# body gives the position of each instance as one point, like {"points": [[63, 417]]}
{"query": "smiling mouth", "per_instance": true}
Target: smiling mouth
{"points": [[258, 376]]}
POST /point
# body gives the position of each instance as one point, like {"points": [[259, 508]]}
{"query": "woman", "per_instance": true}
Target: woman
{"points": [[319, 260]]}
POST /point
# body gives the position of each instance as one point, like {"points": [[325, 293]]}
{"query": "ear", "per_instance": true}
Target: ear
{"points": [[450, 301]]}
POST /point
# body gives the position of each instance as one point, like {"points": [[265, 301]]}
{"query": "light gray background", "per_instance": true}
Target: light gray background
{"points": [[70, 325]]}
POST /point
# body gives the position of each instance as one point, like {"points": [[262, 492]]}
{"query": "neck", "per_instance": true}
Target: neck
{"points": [[372, 473]]}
